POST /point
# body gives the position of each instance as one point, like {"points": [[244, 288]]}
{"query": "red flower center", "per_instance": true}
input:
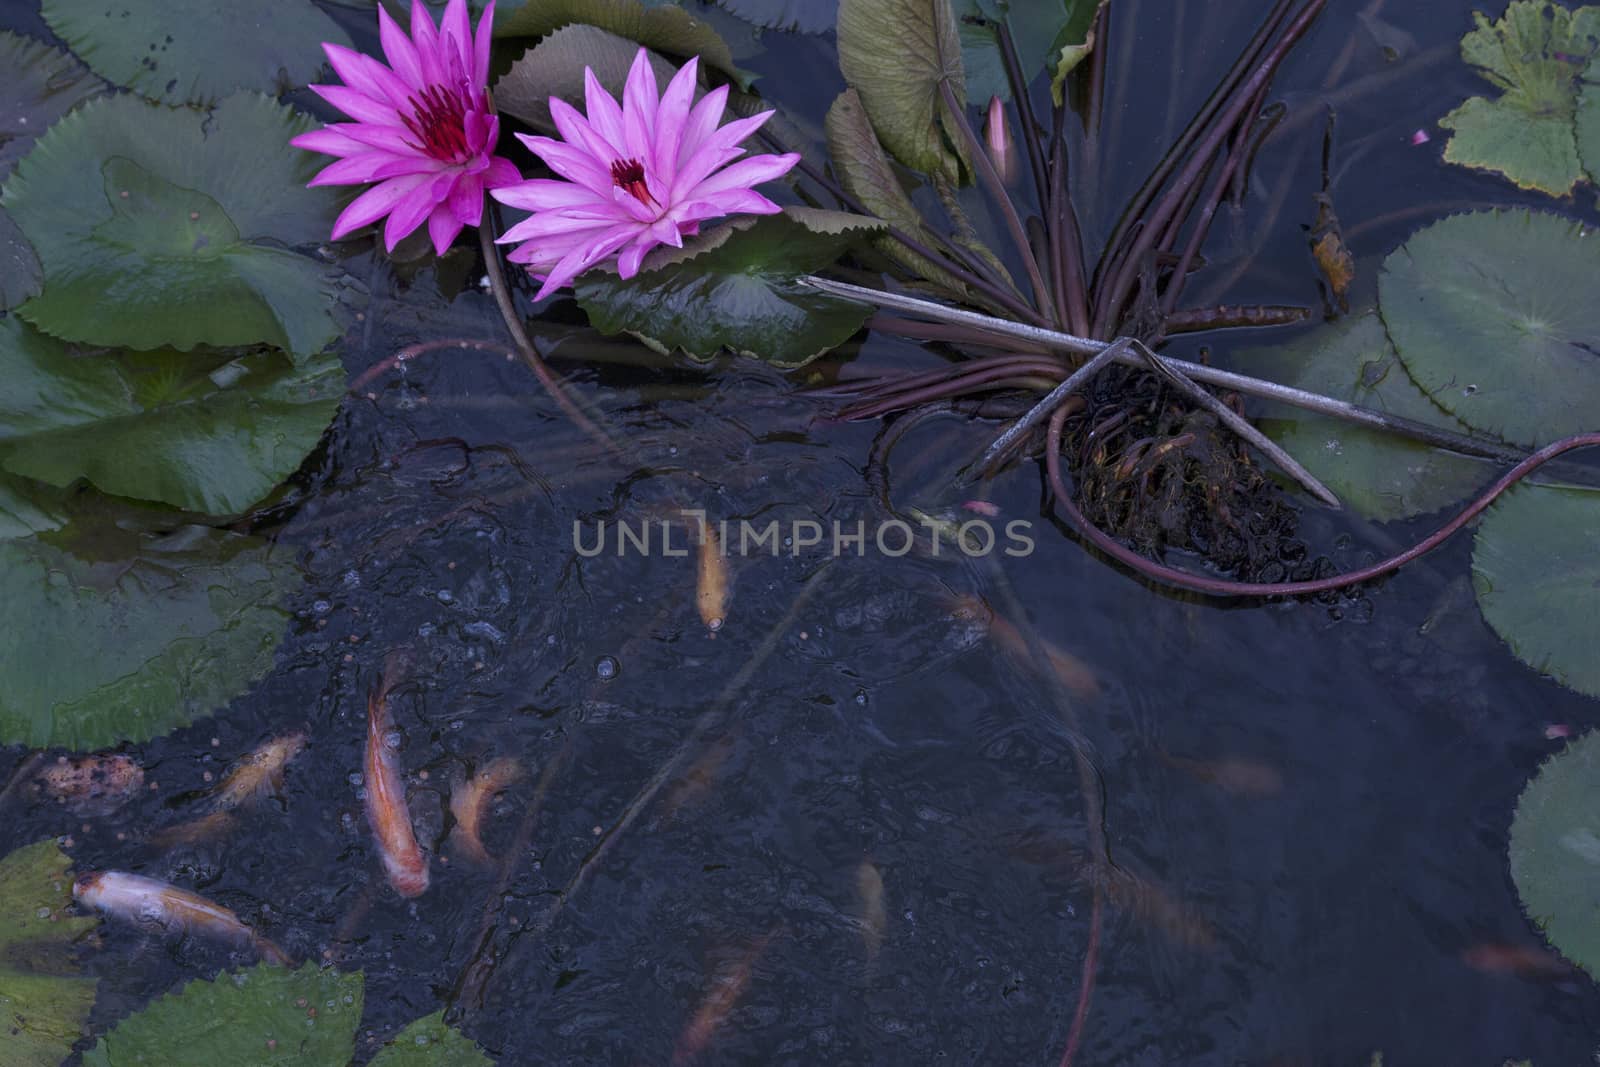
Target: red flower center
{"points": [[438, 121], [629, 176]]}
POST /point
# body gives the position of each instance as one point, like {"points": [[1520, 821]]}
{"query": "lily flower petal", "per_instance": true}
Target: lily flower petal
{"points": [[634, 175]]}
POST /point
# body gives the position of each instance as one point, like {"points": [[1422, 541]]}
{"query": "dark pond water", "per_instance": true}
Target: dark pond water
{"points": [[1314, 796]]}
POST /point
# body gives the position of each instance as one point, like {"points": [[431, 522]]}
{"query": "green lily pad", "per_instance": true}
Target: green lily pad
{"points": [[1587, 128], [1537, 576], [802, 16], [41, 85], [197, 51], [869, 176], [162, 227], [1381, 475], [666, 28], [428, 1042], [27, 508], [555, 67], [1555, 851], [206, 431], [895, 53], [43, 1001], [1494, 315], [265, 1016], [737, 287], [1048, 34], [178, 624], [1534, 54]]}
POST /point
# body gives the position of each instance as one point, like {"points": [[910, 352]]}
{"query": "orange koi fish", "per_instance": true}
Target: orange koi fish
{"points": [[403, 860], [144, 900], [468, 798], [256, 775]]}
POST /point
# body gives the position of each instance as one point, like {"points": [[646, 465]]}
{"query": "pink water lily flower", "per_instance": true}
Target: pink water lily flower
{"points": [[634, 176], [424, 130]]}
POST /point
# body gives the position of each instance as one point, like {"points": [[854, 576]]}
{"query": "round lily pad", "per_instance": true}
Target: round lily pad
{"points": [[1537, 574], [208, 431], [737, 287], [197, 51], [44, 1002], [1534, 54], [1381, 475], [253, 1018], [1555, 851], [428, 1042], [1494, 315], [158, 227], [178, 624], [1587, 126], [41, 85]]}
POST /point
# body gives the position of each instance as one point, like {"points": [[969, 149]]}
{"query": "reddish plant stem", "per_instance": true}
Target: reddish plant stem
{"points": [[1228, 316], [1164, 575], [422, 348], [1091, 961], [1115, 294], [1115, 247], [1019, 96]]}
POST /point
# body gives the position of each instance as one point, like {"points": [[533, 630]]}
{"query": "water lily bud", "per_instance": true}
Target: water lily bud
{"points": [[997, 136]]}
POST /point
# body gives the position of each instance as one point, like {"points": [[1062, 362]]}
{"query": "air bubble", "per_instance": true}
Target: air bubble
{"points": [[606, 668]]}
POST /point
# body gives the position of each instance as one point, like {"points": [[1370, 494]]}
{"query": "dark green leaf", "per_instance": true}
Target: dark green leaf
{"points": [[208, 431], [197, 51], [555, 67], [1495, 317], [667, 29], [870, 177], [428, 1042], [737, 287], [896, 53], [173, 227], [1555, 851], [20, 273], [43, 1004], [41, 84], [1534, 54], [131, 635], [263, 1017], [1381, 475], [1537, 576], [1051, 35], [805, 16]]}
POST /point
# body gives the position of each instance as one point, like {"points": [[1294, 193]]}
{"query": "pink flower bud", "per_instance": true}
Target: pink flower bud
{"points": [[997, 135]]}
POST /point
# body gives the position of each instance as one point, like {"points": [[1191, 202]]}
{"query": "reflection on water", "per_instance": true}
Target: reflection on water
{"points": [[847, 824]]}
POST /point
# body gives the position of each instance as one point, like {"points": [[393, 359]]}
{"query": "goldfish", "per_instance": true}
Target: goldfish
{"points": [[719, 1001], [254, 776], [469, 796], [711, 592], [1078, 677], [1524, 961], [145, 900], [1241, 777], [96, 784], [403, 860]]}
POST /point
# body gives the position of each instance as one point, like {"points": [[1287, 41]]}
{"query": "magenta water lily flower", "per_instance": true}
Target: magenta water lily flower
{"points": [[424, 130], [634, 176]]}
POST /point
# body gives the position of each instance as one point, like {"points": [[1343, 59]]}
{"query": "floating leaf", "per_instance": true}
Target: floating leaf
{"points": [[1052, 35], [428, 1042], [555, 66], [1555, 851], [870, 178], [261, 1017], [41, 85], [1494, 315], [209, 431], [1588, 121], [895, 53], [1537, 577], [667, 29], [27, 508], [43, 1004], [197, 51], [737, 287], [173, 227], [1381, 475], [804, 16], [1535, 54], [178, 624]]}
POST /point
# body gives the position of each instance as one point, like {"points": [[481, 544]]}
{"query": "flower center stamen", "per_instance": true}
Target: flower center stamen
{"points": [[629, 176], [438, 121]]}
